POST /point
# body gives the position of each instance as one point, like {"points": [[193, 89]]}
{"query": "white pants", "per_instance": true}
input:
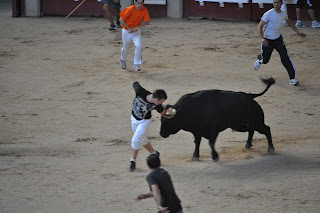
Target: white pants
{"points": [[139, 128], [126, 40]]}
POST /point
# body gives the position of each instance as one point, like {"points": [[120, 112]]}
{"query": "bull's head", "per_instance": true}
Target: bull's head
{"points": [[170, 126]]}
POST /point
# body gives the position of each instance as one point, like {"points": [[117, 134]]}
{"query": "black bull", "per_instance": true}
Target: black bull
{"points": [[206, 113]]}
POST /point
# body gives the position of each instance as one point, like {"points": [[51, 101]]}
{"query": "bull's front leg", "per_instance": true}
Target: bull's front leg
{"points": [[197, 141], [249, 141], [212, 141]]}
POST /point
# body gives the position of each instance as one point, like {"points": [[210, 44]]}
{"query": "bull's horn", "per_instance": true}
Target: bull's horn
{"points": [[174, 112]]}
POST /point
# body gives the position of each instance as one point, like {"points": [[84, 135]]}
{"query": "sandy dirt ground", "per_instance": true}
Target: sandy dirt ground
{"points": [[65, 131]]}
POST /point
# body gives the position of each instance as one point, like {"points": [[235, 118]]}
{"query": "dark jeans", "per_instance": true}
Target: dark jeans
{"points": [[279, 45]]}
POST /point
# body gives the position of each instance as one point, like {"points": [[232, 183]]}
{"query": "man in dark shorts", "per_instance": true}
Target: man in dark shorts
{"points": [[310, 7], [106, 7], [161, 187]]}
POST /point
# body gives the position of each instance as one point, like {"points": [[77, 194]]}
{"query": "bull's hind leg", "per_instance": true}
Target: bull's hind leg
{"points": [[267, 132], [197, 141], [249, 141]]}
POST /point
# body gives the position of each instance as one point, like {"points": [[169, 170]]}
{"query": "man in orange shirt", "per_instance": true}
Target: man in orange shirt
{"points": [[132, 19]]}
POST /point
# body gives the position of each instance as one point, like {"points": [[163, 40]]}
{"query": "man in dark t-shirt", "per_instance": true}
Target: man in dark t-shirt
{"points": [[143, 103], [161, 187]]}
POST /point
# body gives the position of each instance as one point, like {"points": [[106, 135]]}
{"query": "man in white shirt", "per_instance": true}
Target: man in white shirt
{"points": [[271, 38]]}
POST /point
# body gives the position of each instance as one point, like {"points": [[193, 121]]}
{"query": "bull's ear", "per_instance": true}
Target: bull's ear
{"points": [[174, 111]]}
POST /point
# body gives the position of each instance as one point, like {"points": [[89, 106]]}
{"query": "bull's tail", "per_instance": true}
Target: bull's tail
{"points": [[268, 82]]}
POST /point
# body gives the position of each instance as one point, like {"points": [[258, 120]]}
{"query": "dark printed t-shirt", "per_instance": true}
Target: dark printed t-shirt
{"points": [[169, 198], [141, 108]]}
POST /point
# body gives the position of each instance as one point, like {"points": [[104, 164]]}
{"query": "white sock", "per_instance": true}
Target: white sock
{"points": [[154, 153], [134, 160]]}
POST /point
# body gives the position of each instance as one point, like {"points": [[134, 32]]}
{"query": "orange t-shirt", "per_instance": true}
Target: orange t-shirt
{"points": [[134, 17]]}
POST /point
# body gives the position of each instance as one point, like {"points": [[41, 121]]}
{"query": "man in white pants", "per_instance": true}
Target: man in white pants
{"points": [[143, 104], [133, 18]]}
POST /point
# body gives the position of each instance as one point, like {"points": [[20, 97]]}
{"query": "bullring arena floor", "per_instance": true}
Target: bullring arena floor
{"points": [[65, 117]]}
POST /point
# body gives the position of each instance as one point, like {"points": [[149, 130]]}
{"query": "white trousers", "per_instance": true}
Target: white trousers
{"points": [[139, 128], [135, 37]]}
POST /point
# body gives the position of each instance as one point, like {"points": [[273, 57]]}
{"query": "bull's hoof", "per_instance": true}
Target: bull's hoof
{"points": [[248, 147], [195, 159], [215, 157], [271, 150], [216, 160]]}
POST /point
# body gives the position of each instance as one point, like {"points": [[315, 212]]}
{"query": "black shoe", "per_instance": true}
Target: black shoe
{"points": [[132, 166], [112, 27], [158, 154]]}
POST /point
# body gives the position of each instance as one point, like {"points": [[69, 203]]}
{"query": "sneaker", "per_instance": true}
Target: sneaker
{"points": [[300, 24], [137, 68], [315, 24], [257, 64], [157, 153], [284, 24], [123, 64], [118, 25], [112, 27], [132, 166], [294, 82]]}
